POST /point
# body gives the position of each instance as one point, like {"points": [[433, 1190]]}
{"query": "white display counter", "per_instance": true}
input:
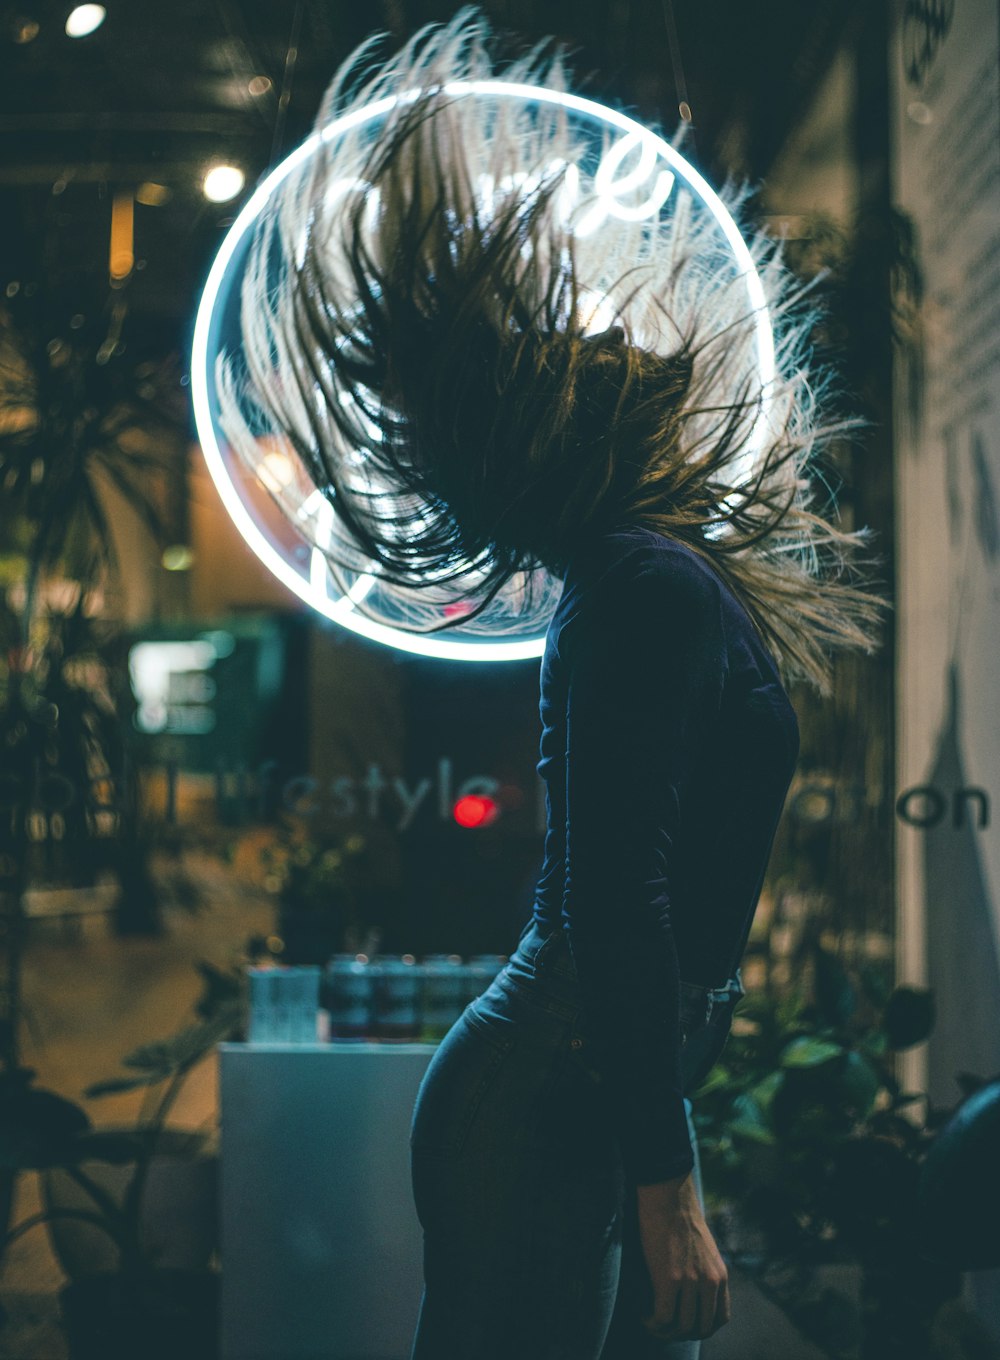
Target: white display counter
{"points": [[320, 1242]]}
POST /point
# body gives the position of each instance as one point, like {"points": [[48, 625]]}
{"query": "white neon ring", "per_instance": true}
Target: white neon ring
{"points": [[342, 611]]}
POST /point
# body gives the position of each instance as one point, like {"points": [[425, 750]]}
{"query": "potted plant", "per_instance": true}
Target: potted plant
{"points": [[141, 1276], [811, 1153], [86, 424]]}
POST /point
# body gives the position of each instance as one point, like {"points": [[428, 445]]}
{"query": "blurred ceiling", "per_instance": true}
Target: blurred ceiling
{"points": [[159, 92]]}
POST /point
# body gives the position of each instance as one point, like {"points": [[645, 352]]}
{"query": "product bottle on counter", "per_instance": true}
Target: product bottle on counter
{"points": [[446, 984], [303, 983], [397, 988], [346, 993], [283, 1004]]}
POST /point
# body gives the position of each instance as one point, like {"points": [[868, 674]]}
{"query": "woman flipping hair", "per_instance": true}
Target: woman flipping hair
{"points": [[515, 418]]}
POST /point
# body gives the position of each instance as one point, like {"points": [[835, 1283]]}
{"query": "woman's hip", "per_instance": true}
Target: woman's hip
{"points": [[498, 1076], [519, 1071], [539, 987]]}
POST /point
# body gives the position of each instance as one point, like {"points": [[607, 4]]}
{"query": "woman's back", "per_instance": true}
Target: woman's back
{"points": [[668, 744], [657, 683]]}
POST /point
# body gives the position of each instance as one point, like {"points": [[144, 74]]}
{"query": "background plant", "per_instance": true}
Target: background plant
{"points": [[40, 1130], [82, 419], [811, 1152]]}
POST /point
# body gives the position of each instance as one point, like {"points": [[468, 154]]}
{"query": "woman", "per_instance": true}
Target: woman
{"points": [[479, 416]]}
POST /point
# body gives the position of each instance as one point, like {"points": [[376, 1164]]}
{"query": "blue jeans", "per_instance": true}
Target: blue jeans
{"points": [[531, 1244]]}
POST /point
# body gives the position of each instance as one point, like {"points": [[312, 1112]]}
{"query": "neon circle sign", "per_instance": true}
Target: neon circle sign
{"points": [[633, 177]]}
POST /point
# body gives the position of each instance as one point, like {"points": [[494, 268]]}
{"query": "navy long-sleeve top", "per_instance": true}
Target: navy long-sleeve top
{"points": [[668, 745]]}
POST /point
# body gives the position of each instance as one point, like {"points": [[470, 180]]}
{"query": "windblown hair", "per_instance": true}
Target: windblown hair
{"points": [[474, 387]]}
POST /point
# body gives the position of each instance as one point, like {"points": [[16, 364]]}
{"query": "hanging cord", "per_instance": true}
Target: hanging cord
{"points": [[236, 32], [287, 77], [685, 131]]}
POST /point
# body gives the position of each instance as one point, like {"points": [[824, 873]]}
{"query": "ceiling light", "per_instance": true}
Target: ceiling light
{"points": [[222, 183], [259, 85], [84, 19]]}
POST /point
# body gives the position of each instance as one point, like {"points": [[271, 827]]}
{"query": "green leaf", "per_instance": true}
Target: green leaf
{"points": [[748, 1121], [716, 1079], [876, 1043], [160, 1060], [763, 1092], [153, 1057], [788, 1009], [806, 1051], [220, 989], [36, 1126], [116, 1085], [861, 1084], [755, 1005]]}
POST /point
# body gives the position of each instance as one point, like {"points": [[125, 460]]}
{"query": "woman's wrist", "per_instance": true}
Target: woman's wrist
{"points": [[678, 1192]]}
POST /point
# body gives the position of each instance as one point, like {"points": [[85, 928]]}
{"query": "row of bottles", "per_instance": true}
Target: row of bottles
{"points": [[390, 998], [395, 997]]}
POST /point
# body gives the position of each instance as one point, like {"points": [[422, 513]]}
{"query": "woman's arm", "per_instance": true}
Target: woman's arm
{"points": [[645, 661], [689, 1277]]}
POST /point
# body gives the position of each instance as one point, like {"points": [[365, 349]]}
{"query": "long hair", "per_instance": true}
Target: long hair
{"points": [[424, 330]]}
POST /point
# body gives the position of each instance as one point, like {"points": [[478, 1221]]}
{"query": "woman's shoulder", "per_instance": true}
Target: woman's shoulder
{"points": [[633, 557], [630, 582]]}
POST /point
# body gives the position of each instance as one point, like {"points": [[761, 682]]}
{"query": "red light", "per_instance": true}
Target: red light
{"points": [[475, 809]]}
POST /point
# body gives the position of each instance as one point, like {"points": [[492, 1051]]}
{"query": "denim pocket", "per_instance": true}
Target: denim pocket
{"points": [[489, 1019], [457, 1079]]}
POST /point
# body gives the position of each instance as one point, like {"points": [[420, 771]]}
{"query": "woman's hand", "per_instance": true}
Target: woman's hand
{"points": [[690, 1280]]}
